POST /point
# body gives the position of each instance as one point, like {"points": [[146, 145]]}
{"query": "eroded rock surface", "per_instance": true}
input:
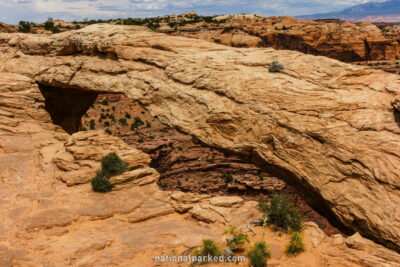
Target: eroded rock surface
{"points": [[340, 40], [51, 216], [4, 28], [325, 126], [185, 164]]}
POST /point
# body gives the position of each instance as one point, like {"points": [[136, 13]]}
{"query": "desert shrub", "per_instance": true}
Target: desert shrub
{"points": [[140, 140], [148, 124], [276, 66], [136, 123], [111, 116], [296, 245], [127, 115], [92, 124], [258, 254], [108, 131], [227, 176], [237, 240], [49, 25], [112, 164], [208, 248], [24, 26], [171, 145], [106, 124], [123, 122], [105, 102], [101, 183], [261, 177], [103, 116], [282, 212]]}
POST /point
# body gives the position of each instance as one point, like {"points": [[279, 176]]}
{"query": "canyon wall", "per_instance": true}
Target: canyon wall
{"points": [[340, 40]]}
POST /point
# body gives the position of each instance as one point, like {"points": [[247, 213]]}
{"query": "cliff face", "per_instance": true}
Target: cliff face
{"points": [[339, 40]]}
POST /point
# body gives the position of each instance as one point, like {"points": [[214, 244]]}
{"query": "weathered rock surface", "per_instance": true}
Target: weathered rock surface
{"points": [[4, 28], [50, 215], [340, 40], [325, 126]]}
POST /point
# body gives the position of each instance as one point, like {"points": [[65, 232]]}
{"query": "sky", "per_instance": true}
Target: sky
{"points": [[12, 11]]}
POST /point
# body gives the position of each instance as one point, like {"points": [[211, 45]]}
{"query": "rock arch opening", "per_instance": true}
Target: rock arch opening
{"points": [[66, 106]]}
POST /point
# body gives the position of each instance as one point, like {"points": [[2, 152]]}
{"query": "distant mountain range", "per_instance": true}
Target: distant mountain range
{"points": [[388, 11]]}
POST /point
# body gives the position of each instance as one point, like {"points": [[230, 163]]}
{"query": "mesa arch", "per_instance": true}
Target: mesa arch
{"points": [[325, 126]]}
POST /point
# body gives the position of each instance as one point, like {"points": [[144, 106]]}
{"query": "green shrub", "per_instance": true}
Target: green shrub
{"points": [[123, 122], [106, 124], [112, 164], [24, 26], [108, 131], [136, 123], [296, 245], [261, 177], [276, 66], [258, 254], [227, 176], [140, 140], [100, 182], [237, 240], [92, 124], [208, 248], [111, 116], [282, 212], [105, 102]]}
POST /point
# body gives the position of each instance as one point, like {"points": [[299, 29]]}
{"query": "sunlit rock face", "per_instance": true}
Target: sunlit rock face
{"points": [[326, 127]]}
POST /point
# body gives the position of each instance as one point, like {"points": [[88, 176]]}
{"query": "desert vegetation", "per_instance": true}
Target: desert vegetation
{"points": [[258, 254], [296, 245], [281, 212], [236, 240], [276, 66], [111, 165]]}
